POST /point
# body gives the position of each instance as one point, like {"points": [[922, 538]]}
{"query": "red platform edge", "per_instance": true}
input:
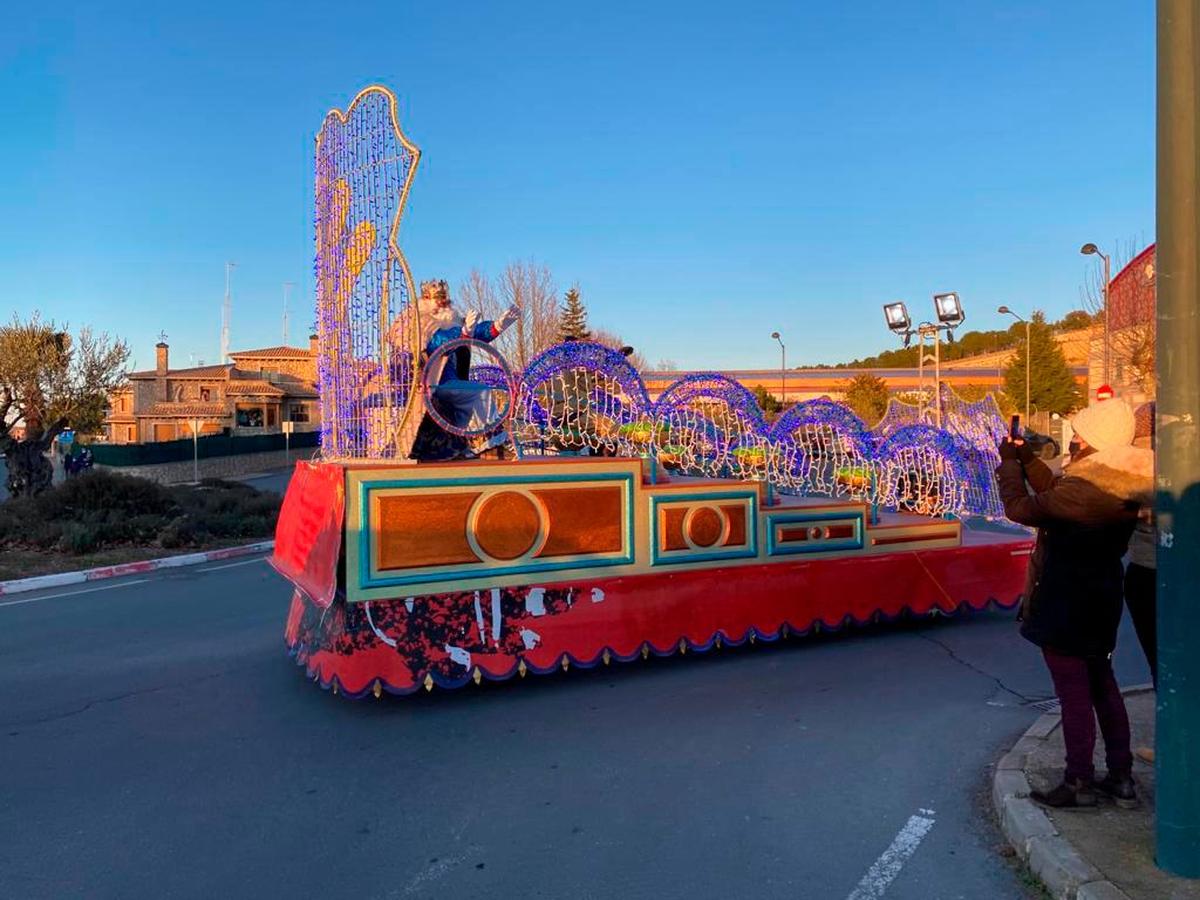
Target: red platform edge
{"points": [[449, 640]]}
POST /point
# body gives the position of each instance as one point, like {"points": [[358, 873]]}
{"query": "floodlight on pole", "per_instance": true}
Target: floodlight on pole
{"points": [[1090, 249], [949, 309], [897, 317], [1004, 310], [950, 315]]}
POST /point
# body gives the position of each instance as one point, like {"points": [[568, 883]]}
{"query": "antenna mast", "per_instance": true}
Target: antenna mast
{"points": [[226, 314], [287, 289]]}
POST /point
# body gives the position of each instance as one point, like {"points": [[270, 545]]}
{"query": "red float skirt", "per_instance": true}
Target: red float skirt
{"points": [[448, 639]]}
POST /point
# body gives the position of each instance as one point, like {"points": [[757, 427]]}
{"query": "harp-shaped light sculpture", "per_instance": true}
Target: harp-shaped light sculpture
{"points": [[366, 311]]}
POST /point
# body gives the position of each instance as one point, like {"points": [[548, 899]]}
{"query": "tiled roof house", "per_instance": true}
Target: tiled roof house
{"points": [[253, 394]]}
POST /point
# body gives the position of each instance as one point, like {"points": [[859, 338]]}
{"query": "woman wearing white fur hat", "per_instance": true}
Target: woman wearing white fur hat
{"points": [[1072, 604]]}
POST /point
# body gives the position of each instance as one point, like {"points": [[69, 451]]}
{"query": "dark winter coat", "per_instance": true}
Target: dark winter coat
{"points": [[1084, 519]]}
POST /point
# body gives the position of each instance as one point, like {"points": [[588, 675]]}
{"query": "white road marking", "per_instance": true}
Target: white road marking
{"points": [[888, 866], [106, 587], [432, 873], [240, 562]]}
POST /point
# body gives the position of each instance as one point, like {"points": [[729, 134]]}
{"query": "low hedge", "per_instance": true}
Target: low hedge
{"points": [[101, 509]]}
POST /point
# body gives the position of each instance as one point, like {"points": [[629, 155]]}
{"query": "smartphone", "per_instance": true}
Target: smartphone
{"points": [[1014, 428]]}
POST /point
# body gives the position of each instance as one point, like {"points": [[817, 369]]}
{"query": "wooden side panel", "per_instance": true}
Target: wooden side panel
{"points": [[441, 539], [583, 520]]}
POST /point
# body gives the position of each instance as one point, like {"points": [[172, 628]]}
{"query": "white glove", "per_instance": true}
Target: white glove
{"points": [[471, 320], [508, 317]]}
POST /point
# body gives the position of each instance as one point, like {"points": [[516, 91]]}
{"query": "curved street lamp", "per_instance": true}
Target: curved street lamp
{"points": [[782, 368], [1004, 310], [1090, 249]]}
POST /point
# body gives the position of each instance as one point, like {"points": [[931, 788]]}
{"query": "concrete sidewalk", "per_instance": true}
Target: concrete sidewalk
{"points": [[1105, 853]]}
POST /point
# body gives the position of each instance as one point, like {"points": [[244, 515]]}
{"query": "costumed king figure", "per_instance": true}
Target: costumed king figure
{"points": [[460, 401]]}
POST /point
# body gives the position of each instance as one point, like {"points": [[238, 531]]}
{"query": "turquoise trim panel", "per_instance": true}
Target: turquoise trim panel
{"points": [[855, 542], [747, 552], [367, 538]]}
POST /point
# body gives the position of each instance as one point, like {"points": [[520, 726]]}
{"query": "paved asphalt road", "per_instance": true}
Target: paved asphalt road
{"points": [[274, 480], [156, 741]]}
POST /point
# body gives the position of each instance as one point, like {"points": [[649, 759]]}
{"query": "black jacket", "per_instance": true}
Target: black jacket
{"points": [[1084, 519]]}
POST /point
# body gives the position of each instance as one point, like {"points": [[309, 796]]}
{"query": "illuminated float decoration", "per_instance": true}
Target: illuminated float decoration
{"points": [[623, 526]]}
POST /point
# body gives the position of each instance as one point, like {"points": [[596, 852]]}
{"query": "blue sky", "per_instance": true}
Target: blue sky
{"points": [[706, 172]]}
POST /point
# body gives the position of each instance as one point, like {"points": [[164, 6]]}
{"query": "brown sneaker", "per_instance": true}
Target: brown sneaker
{"points": [[1068, 795]]}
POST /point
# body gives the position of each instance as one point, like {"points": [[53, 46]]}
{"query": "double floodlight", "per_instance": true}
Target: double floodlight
{"points": [[949, 311]]}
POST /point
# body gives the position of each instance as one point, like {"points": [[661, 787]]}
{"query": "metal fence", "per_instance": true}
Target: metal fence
{"points": [[206, 447]]}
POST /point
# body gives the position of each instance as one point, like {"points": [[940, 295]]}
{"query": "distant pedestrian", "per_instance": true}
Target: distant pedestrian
{"points": [[1141, 573], [1072, 603]]}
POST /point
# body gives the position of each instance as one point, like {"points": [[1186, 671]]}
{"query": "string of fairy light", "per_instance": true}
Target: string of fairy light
{"points": [[366, 321], [581, 396]]}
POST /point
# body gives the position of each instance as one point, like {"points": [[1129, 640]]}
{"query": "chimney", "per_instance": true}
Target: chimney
{"points": [[312, 345], [160, 371]]}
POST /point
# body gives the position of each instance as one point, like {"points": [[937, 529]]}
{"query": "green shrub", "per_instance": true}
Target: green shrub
{"points": [[179, 532], [102, 509], [108, 491], [78, 538]]}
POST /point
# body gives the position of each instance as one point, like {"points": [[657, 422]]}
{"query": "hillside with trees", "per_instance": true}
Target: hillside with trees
{"points": [[970, 343]]}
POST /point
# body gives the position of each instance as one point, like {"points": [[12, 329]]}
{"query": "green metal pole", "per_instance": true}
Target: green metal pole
{"points": [[1178, 465]]}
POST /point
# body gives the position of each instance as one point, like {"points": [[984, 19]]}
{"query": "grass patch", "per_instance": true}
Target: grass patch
{"points": [[102, 517]]}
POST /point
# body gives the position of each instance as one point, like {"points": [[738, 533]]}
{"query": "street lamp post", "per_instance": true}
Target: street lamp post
{"points": [[196, 450], [1177, 464], [1093, 250], [287, 427], [782, 367], [1028, 356]]}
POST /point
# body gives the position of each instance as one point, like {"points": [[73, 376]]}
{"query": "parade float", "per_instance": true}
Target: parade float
{"points": [[616, 526]]}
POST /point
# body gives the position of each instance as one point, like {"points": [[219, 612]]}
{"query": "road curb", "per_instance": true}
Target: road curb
{"points": [[1058, 865], [59, 579]]}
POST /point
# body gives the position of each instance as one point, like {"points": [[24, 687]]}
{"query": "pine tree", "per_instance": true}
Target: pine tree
{"points": [[1052, 387], [572, 318]]}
